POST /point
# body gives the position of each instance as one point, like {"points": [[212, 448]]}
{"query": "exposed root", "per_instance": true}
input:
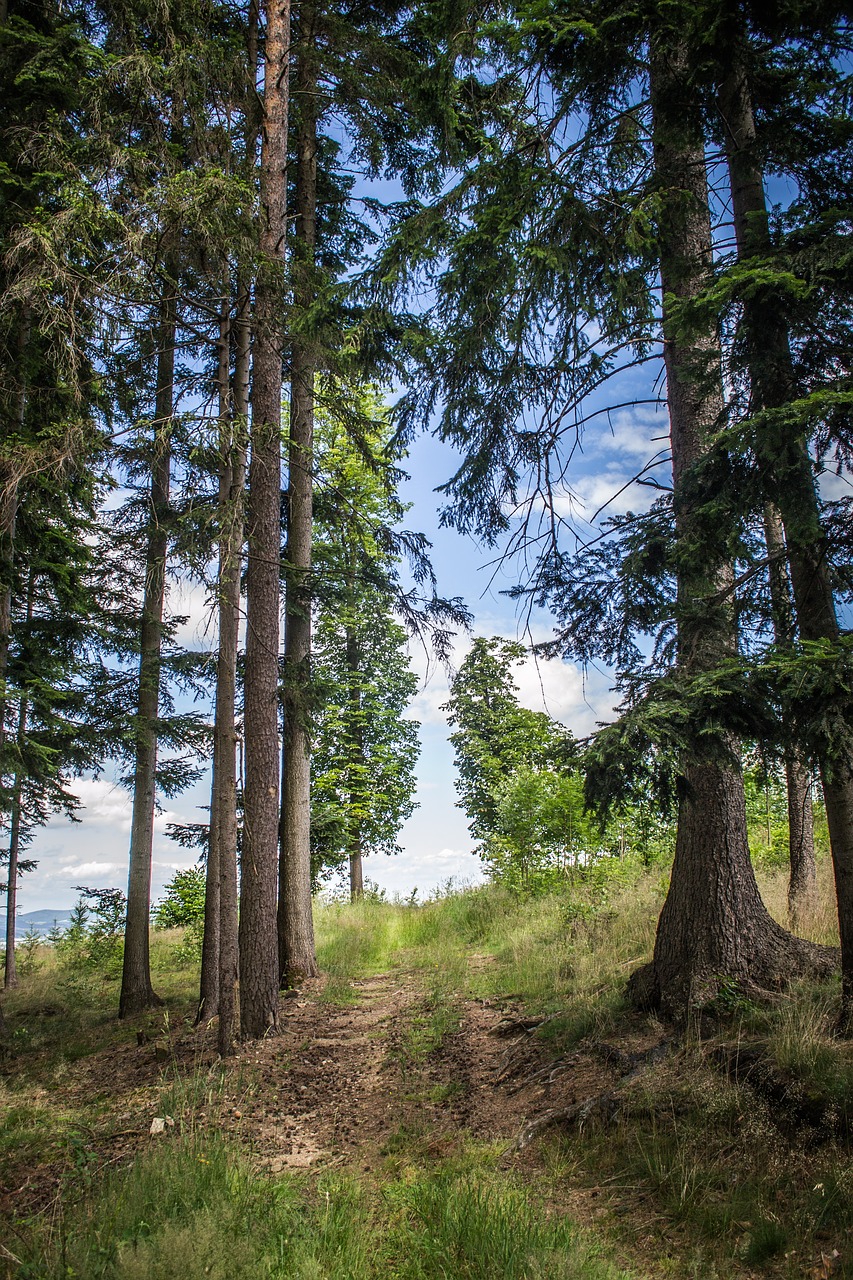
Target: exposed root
{"points": [[515, 1026], [604, 1105], [679, 992], [793, 1104]]}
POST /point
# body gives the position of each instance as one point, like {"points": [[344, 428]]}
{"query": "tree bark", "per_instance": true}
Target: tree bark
{"points": [[208, 1003], [230, 567], [225, 742], [137, 992], [295, 922], [713, 925], [789, 481], [356, 742], [259, 968], [11, 971]]}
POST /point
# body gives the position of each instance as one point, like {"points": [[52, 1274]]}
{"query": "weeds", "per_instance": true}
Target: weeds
{"points": [[193, 1208]]}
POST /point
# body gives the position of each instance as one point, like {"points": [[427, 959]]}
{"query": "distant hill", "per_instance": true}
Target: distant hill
{"points": [[40, 921]]}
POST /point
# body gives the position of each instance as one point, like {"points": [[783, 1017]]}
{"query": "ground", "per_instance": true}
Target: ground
{"points": [[445, 1055]]}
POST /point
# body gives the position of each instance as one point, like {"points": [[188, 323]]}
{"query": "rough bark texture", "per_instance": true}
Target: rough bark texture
{"points": [[295, 922], [137, 993], [783, 455], [258, 934], [714, 925]]}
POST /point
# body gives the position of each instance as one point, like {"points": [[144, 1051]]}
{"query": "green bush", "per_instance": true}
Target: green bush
{"points": [[183, 903]]}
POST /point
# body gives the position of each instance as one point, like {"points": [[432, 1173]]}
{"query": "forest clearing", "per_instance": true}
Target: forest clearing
{"points": [[386, 1130]]}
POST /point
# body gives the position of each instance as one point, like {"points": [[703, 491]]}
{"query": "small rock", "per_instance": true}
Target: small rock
{"points": [[160, 1124], [161, 1053]]}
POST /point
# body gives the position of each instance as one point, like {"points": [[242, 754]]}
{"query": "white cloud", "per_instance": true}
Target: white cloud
{"points": [[640, 434], [100, 869], [192, 601]]}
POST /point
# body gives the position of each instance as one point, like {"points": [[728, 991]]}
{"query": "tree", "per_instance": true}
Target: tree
{"points": [[573, 232], [259, 970], [780, 441], [496, 740], [364, 752]]}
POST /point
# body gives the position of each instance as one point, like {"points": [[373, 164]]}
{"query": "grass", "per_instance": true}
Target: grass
{"points": [[699, 1177], [194, 1208]]}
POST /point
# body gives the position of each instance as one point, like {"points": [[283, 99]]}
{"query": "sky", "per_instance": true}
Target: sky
{"points": [[435, 842]]}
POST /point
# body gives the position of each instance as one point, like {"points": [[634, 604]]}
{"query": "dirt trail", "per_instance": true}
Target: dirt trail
{"points": [[339, 1083], [339, 1086]]}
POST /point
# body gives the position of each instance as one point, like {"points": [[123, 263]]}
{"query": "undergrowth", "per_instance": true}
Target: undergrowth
{"points": [[699, 1176], [194, 1208]]}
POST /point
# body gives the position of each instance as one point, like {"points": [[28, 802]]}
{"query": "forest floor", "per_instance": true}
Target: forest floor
{"points": [[433, 1063]]}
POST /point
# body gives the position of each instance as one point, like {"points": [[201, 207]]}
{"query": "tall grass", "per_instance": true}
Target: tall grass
{"points": [[193, 1208]]}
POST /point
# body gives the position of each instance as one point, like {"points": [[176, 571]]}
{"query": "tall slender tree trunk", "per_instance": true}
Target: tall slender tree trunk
{"points": [[259, 969], [226, 675], [208, 1003], [713, 923], [295, 923], [9, 498], [802, 883], [789, 481], [137, 992], [356, 744], [11, 971], [229, 619]]}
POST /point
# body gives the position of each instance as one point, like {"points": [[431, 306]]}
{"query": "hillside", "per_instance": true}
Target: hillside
{"points": [[463, 1093]]}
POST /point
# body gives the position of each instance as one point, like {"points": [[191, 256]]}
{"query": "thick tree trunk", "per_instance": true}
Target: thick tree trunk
{"points": [[713, 925], [258, 934], [783, 455], [356, 743], [295, 922], [137, 992]]}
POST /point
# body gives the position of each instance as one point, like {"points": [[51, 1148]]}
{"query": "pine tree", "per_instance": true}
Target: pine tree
{"points": [[258, 895]]}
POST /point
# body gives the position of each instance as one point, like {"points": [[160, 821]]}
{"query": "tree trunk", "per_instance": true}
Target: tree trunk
{"points": [[713, 925], [258, 934], [225, 742], [229, 618], [208, 1003], [295, 921], [802, 883], [11, 971], [137, 993], [783, 456], [356, 744], [9, 497]]}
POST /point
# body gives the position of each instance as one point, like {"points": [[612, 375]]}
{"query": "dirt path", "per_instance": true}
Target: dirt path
{"points": [[339, 1084]]}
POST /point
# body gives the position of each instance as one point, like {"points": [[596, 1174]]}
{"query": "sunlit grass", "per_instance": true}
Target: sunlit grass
{"points": [[192, 1208]]}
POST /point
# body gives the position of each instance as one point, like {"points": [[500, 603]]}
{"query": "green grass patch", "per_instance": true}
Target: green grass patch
{"points": [[193, 1208]]}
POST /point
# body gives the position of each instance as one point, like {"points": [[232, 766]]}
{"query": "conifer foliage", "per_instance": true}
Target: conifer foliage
{"points": [[200, 293]]}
